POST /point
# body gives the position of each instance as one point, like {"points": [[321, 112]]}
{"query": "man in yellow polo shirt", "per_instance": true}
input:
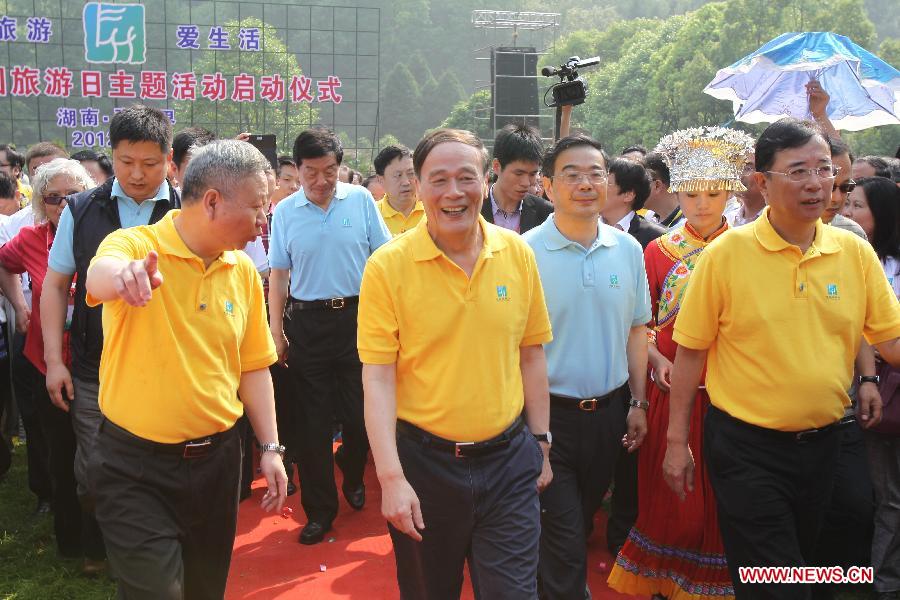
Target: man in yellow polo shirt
{"points": [[400, 207], [445, 391], [185, 333], [778, 308]]}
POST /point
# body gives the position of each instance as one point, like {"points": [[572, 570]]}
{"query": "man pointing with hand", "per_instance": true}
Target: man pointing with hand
{"points": [[185, 334]]}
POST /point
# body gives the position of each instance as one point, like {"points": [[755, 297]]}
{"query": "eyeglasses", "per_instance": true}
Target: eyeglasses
{"points": [[53, 200], [802, 175], [596, 177], [846, 187]]}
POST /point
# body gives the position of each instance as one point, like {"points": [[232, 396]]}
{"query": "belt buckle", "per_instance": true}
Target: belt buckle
{"points": [[197, 448], [337, 303], [589, 405], [458, 448]]}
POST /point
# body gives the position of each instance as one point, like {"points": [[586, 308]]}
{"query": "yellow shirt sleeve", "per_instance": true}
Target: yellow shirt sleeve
{"points": [[882, 308], [537, 328], [257, 347], [124, 244], [697, 323], [378, 331]]}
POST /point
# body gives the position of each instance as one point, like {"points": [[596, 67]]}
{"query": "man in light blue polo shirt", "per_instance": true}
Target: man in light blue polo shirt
{"points": [[596, 290], [320, 241]]}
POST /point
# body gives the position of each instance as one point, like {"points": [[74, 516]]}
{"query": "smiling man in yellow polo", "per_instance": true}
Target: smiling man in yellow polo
{"points": [[779, 307], [451, 325], [185, 332]]}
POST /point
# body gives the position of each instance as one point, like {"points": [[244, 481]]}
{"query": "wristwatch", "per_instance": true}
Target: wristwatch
{"points": [[869, 379], [272, 447], [635, 403], [544, 437]]}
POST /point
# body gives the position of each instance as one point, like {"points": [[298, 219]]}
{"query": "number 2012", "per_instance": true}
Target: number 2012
{"points": [[89, 139]]}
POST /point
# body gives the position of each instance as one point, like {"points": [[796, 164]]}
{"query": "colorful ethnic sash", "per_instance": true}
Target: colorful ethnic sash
{"points": [[683, 246]]}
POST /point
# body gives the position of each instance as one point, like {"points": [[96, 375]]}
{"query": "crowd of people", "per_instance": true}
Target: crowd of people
{"points": [[704, 333]]}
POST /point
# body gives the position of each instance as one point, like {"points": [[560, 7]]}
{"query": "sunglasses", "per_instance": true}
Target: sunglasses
{"points": [[846, 187], [54, 200]]}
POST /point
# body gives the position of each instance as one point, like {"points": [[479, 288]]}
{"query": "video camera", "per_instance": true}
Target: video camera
{"points": [[571, 89]]}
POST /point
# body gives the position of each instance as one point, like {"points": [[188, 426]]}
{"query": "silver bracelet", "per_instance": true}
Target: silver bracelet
{"points": [[272, 447], [635, 403]]}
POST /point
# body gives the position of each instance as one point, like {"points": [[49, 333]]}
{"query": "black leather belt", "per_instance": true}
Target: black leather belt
{"points": [[583, 404], [189, 449], [461, 449], [330, 303], [807, 435]]}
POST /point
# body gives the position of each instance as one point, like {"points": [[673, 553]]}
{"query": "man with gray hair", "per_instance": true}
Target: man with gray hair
{"points": [[186, 351]]}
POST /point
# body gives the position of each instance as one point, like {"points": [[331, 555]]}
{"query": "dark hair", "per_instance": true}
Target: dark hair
{"points": [[656, 165], [838, 146], [101, 159], [283, 161], [13, 156], [635, 148], [518, 141], [440, 136], [631, 177], [784, 134], [573, 141], [883, 197], [186, 139], [316, 143], [881, 166], [8, 185], [139, 123], [894, 165], [368, 180], [388, 155], [42, 149]]}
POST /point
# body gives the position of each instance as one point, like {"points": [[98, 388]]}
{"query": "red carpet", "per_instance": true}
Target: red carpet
{"points": [[269, 563]]}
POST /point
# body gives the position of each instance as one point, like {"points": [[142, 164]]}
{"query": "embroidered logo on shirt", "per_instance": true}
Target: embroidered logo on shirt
{"points": [[345, 223], [502, 294], [614, 281], [833, 291], [229, 308]]}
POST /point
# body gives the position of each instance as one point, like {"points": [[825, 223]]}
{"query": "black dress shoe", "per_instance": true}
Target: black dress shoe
{"points": [[43, 508], [291, 488], [356, 497], [313, 532]]}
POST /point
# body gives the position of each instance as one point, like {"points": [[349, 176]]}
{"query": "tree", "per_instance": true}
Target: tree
{"points": [[401, 103], [420, 70], [465, 115], [439, 98], [229, 117]]}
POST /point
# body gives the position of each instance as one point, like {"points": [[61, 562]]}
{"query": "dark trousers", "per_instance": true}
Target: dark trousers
{"points": [[772, 493], [325, 364], [6, 398], [169, 521], [846, 537], [37, 448], [482, 510], [583, 457], [624, 504], [77, 532]]}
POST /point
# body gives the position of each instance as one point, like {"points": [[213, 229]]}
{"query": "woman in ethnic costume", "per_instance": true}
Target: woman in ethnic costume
{"points": [[674, 549]]}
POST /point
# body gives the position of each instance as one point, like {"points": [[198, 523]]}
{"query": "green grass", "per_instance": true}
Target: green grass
{"points": [[29, 567]]}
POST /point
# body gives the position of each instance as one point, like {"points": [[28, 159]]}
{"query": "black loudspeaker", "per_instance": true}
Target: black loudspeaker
{"points": [[514, 76]]}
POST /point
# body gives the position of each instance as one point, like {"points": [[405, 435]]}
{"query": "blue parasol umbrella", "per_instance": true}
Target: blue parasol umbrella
{"points": [[771, 83]]}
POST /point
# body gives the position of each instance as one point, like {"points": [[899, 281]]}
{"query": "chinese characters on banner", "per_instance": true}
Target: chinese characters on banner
{"points": [[59, 82]]}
